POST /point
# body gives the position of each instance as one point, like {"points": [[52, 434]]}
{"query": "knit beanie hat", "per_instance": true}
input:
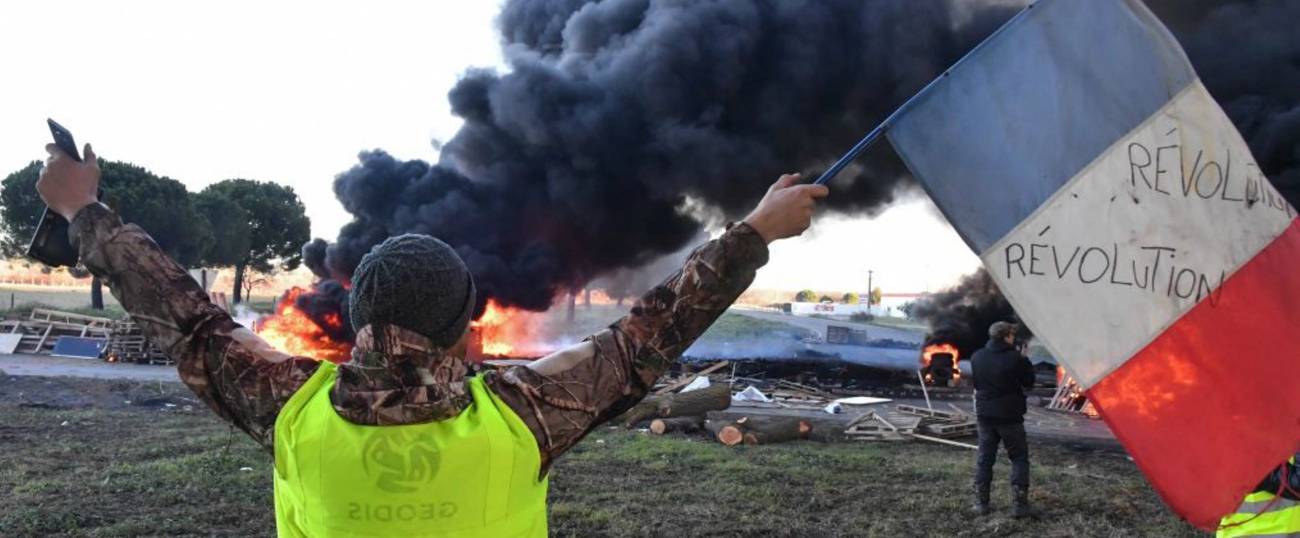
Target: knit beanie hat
{"points": [[417, 283]]}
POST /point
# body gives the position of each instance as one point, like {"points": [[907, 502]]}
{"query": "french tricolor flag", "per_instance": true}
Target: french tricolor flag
{"points": [[1127, 222]]}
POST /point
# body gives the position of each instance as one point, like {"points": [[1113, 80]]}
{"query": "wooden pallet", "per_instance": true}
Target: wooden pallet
{"points": [[129, 344], [38, 336], [873, 426], [953, 416], [69, 318], [952, 430]]}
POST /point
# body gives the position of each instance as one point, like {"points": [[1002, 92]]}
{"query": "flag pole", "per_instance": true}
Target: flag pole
{"points": [[857, 149], [874, 135]]}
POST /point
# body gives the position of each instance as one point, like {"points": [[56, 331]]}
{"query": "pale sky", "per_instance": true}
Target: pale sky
{"points": [[292, 91]]}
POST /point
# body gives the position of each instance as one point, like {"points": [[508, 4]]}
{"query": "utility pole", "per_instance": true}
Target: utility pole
{"points": [[871, 290]]}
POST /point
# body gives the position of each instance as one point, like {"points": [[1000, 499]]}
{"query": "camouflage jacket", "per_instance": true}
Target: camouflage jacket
{"points": [[395, 376]]}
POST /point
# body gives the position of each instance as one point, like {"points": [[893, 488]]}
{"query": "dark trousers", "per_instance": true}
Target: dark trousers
{"points": [[1010, 435]]}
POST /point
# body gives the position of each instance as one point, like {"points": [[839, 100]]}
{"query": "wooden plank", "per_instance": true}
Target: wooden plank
{"points": [[812, 391], [687, 380], [952, 430], [936, 413], [41, 344], [944, 441], [883, 421], [882, 436], [70, 318]]}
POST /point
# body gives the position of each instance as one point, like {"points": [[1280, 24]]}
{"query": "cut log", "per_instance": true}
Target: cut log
{"points": [[661, 426], [681, 404], [774, 430], [759, 430], [696, 402], [826, 428], [731, 434], [728, 431], [713, 426], [643, 410]]}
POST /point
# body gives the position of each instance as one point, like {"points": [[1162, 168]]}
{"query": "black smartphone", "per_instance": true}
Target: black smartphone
{"points": [[50, 244]]}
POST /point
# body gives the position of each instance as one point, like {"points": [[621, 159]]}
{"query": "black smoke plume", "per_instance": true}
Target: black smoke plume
{"points": [[1247, 53], [962, 314], [621, 121]]}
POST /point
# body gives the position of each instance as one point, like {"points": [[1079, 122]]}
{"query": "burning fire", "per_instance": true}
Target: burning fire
{"points": [[504, 331], [291, 331], [935, 349], [1071, 395]]}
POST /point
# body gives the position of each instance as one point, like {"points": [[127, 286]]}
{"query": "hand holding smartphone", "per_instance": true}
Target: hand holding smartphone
{"points": [[50, 244]]}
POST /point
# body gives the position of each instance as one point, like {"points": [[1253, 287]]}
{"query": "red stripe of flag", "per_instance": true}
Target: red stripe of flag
{"points": [[1213, 403]]}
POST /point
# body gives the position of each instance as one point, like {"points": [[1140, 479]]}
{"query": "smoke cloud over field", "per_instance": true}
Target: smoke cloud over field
{"points": [[620, 120], [619, 123]]}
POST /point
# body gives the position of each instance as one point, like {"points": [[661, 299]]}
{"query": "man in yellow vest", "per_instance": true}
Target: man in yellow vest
{"points": [[1273, 509], [397, 441]]}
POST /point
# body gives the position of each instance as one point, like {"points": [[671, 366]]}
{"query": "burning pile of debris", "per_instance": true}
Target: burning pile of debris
{"points": [[1069, 396], [291, 330], [939, 365], [300, 327]]}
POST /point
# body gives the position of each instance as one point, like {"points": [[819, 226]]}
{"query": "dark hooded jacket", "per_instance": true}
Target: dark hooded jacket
{"points": [[1001, 376]]}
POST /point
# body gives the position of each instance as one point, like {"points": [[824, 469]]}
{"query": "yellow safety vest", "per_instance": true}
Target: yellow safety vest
{"points": [[1271, 518], [474, 475]]}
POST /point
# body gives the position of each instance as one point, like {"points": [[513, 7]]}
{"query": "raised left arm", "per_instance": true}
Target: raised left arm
{"points": [[232, 370]]}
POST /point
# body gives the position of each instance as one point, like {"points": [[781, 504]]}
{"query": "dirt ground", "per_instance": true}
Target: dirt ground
{"points": [[82, 457]]}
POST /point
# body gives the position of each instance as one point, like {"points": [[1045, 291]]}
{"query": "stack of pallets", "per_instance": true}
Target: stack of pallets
{"points": [[129, 344], [40, 331]]}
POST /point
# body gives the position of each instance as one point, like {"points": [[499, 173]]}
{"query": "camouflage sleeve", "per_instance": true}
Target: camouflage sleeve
{"points": [[564, 396], [228, 366]]}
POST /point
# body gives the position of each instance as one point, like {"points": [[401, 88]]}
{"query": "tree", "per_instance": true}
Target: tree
{"points": [[251, 282], [874, 298], [229, 224], [159, 205], [277, 225], [850, 298], [22, 209], [826, 299], [805, 296]]}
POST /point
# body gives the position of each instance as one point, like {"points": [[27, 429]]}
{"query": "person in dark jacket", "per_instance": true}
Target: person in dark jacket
{"points": [[1001, 375]]}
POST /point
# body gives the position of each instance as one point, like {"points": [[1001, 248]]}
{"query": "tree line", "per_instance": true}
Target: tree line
{"points": [[810, 296], [239, 223]]}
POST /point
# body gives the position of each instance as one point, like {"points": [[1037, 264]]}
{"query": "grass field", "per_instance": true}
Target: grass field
{"points": [[111, 459]]}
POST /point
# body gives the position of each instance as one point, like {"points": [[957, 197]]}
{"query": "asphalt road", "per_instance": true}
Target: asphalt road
{"points": [[42, 365]]}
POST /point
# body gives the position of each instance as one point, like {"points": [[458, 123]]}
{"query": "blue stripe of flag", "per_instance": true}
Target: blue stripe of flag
{"points": [[1033, 105]]}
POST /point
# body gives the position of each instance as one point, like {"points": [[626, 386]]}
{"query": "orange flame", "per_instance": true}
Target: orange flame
{"points": [[935, 349], [505, 331], [291, 331]]}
